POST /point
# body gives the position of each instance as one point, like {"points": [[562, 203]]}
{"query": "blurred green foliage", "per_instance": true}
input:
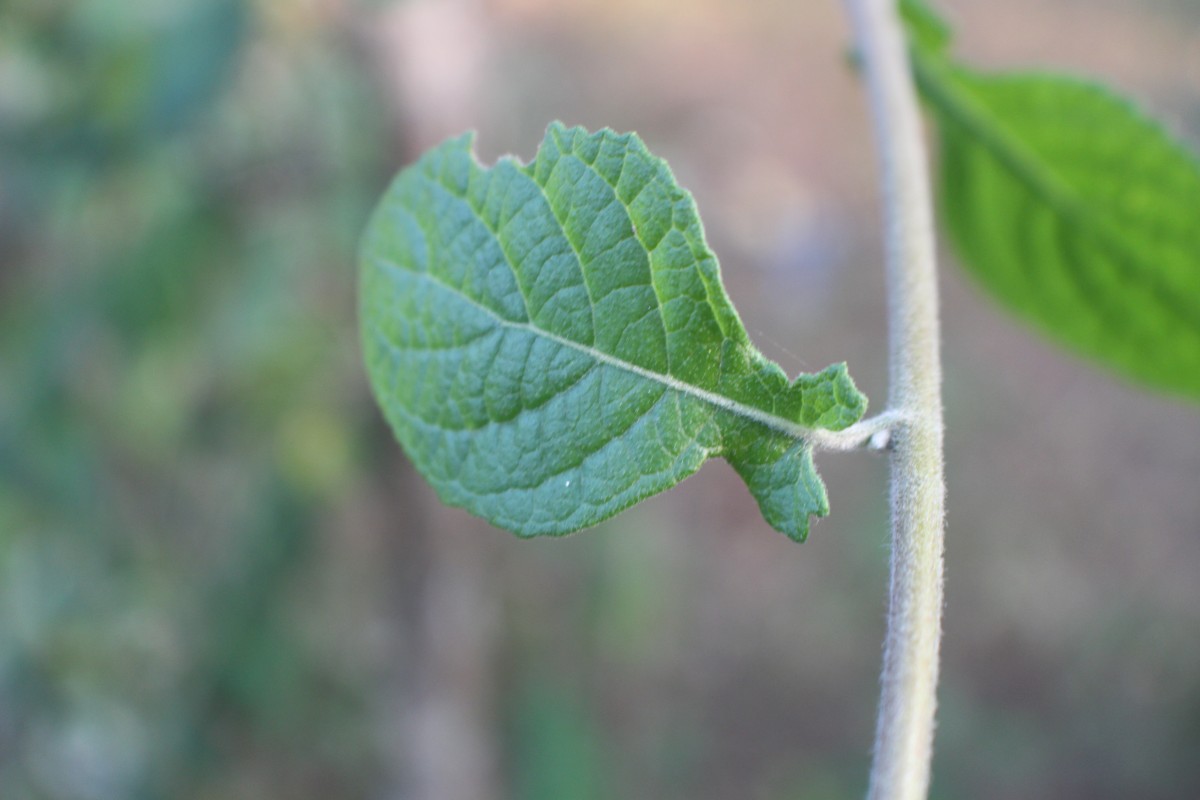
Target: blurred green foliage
{"points": [[182, 187], [1072, 206]]}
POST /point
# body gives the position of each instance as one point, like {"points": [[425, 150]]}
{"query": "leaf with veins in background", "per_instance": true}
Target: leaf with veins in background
{"points": [[1076, 210]]}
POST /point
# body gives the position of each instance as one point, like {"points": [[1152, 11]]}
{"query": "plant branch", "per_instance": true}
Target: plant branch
{"points": [[904, 731]]}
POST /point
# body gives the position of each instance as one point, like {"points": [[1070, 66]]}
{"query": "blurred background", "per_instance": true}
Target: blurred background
{"points": [[220, 578]]}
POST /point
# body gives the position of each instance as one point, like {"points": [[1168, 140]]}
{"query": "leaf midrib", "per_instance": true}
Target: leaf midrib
{"points": [[775, 423]]}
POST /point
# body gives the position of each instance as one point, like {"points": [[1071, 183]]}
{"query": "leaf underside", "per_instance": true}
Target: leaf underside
{"points": [[1076, 210], [551, 342]]}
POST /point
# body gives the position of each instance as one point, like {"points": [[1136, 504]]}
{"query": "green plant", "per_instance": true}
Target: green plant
{"points": [[551, 342]]}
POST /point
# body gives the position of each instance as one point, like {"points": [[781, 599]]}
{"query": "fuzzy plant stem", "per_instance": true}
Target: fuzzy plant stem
{"points": [[908, 699]]}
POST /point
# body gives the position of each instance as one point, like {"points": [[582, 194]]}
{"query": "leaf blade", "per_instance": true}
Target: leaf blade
{"points": [[1076, 210], [551, 342]]}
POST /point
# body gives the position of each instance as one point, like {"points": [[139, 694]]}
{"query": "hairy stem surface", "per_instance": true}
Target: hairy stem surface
{"points": [[904, 731]]}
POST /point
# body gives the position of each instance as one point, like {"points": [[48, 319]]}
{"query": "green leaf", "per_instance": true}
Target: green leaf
{"points": [[1076, 210], [551, 342], [929, 32]]}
